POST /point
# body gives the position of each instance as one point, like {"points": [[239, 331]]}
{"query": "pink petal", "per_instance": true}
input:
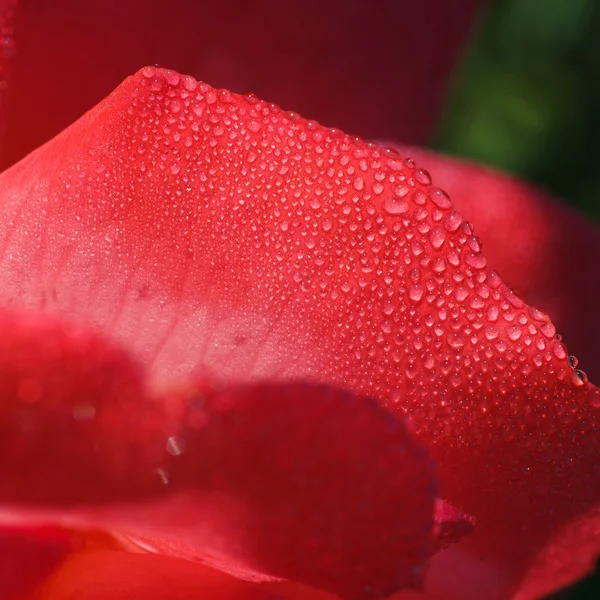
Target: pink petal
{"points": [[266, 482], [348, 63], [217, 236]]}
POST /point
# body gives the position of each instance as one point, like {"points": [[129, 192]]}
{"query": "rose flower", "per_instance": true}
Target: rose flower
{"points": [[247, 355]]}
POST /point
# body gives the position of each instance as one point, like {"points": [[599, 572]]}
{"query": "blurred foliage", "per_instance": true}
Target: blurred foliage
{"points": [[526, 98]]}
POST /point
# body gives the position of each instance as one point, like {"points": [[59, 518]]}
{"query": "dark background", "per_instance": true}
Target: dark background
{"points": [[526, 96]]}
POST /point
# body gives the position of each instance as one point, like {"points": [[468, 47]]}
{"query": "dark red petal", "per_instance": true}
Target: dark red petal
{"points": [[27, 557], [215, 235], [347, 62], [7, 23], [569, 556], [7, 17], [542, 248], [281, 481]]}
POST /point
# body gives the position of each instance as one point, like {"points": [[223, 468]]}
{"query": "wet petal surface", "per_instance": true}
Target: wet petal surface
{"points": [[545, 250], [216, 236]]}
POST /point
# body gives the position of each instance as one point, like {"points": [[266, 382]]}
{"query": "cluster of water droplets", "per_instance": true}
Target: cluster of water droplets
{"points": [[347, 238]]}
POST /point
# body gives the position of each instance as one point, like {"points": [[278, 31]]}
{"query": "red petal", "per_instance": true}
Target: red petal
{"points": [[344, 63], [273, 481], [7, 15], [542, 248], [27, 557], [215, 234], [109, 575], [569, 556]]}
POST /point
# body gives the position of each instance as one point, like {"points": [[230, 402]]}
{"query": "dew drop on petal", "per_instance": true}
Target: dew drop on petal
{"points": [[452, 221], [395, 206], [440, 198], [415, 292]]}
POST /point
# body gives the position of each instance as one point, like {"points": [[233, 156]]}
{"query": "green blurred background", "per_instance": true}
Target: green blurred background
{"points": [[526, 99], [526, 96]]}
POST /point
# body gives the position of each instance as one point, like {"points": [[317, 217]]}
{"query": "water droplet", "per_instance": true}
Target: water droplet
{"points": [[477, 261], [456, 340], [358, 184], [437, 237], [253, 126], [538, 315], [514, 332], [422, 176], [388, 307], [548, 330], [474, 243], [440, 198], [452, 221], [415, 292], [377, 188], [573, 362], [395, 206], [492, 313], [491, 332]]}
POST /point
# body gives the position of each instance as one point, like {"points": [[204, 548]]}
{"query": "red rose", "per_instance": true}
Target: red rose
{"points": [[235, 337]]}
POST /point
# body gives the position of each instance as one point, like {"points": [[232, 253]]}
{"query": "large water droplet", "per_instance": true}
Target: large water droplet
{"points": [[437, 237], [395, 206], [452, 221], [415, 292], [440, 198]]}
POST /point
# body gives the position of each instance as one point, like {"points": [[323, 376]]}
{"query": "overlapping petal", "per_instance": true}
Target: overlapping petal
{"points": [[29, 555], [267, 482], [217, 237]]}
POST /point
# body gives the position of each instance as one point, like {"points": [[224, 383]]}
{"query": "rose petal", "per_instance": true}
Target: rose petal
{"points": [[344, 63], [106, 575], [568, 557], [7, 15], [541, 247], [27, 557], [7, 18], [217, 235], [267, 482]]}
